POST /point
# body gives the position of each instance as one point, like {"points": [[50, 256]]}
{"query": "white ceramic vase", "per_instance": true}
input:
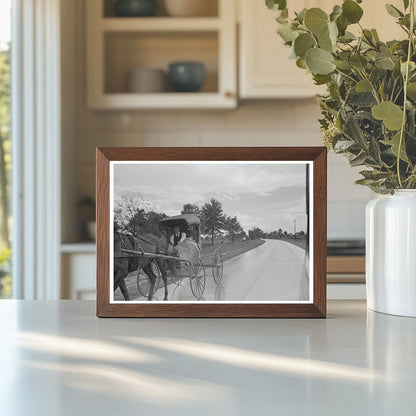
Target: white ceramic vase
{"points": [[391, 253]]}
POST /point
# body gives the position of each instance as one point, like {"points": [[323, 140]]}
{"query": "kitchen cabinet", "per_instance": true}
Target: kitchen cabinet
{"points": [[118, 45], [265, 70], [78, 271]]}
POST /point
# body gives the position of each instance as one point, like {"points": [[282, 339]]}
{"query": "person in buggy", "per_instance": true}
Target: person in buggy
{"points": [[177, 237]]}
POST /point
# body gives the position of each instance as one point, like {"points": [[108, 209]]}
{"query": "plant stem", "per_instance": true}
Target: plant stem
{"points": [[373, 88], [406, 80], [346, 75]]}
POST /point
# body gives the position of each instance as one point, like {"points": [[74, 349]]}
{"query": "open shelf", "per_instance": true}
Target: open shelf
{"points": [[211, 10], [160, 24], [166, 101], [126, 51], [119, 45]]}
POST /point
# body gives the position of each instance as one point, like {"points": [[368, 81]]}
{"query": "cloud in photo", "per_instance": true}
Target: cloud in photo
{"points": [[264, 195]]}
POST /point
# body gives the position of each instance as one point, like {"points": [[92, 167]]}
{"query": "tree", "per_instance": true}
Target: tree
{"points": [[274, 235], [136, 222], [242, 235], [134, 214], [255, 233], [279, 233], [212, 218], [191, 209], [151, 224], [232, 227], [4, 142]]}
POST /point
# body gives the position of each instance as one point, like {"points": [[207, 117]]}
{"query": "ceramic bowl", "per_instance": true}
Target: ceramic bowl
{"points": [[186, 76], [147, 80], [135, 8]]}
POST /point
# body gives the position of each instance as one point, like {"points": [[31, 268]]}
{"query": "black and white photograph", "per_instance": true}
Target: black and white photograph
{"points": [[229, 232]]}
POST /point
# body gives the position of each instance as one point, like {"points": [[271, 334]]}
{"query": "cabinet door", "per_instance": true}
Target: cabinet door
{"points": [[265, 68], [376, 17], [78, 276]]}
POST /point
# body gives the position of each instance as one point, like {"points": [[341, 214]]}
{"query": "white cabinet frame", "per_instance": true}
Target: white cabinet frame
{"points": [[224, 26]]}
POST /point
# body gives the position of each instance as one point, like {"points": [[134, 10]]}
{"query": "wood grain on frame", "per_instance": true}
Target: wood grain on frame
{"points": [[317, 309]]}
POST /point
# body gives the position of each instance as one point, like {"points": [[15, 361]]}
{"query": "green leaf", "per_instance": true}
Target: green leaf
{"points": [[333, 32], [325, 42], [321, 79], [391, 114], [363, 86], [301, 15], [301, 63], [351, 11], [384, 62], [276, 4], [393, 11], [375, 35], [336, 12], [411, 90], [406, 4], [374, 175], [412, 67], [343, 145], [287, 33], [316, 20], [320, 61], [353, 131], [374, 150], [344, 65], [342, 25], [394, 145], [358, 61], [368, 36], [303, 43], [347, 37], [365, 182], [358, 160]]}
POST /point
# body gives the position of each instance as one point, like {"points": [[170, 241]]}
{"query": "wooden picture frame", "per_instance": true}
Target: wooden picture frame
{"points": [[313, 305]]}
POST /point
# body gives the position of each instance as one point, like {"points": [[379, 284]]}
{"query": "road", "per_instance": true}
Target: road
{"points": [[274, 271]]}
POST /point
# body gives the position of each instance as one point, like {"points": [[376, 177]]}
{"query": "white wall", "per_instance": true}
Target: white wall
{"points": [[257, 123]]}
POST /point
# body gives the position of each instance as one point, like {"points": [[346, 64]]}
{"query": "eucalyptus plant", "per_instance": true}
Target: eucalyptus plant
{"points": [[369, 111]]}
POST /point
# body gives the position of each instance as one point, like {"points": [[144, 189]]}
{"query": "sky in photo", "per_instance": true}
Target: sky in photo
{"points": [[269, 196]]}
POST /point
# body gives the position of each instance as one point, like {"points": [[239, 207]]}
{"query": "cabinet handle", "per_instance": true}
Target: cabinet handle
{"points": [[229, 94]]}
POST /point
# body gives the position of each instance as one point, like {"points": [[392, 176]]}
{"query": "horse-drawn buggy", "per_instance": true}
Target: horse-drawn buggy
{"points": [[158, 259]]}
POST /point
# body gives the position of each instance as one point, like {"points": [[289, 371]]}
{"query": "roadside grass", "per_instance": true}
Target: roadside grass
{"points": [[300, 241], [229, 250]]}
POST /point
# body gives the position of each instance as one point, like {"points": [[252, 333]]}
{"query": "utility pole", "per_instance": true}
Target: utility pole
{"points": [[307, 208], [294, 228]]}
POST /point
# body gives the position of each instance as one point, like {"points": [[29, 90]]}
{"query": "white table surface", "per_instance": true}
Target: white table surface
{"points": [[57, 358]]}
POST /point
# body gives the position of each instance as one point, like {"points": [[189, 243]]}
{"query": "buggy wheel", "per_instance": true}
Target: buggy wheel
{"points": [[197, 280], [217, 267], [176, 276], [143, 281]]}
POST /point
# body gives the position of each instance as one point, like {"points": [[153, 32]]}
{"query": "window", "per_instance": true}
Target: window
{"points": [[5, 147]]}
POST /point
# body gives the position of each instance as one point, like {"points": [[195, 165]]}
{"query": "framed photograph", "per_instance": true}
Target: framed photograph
{"points": [[211, 232]]}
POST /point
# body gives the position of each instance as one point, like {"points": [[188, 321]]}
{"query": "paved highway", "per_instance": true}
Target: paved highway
{"points": [[274, 271]]}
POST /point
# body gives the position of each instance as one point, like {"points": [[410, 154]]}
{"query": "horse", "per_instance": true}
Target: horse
{"points": [[148, 243]]}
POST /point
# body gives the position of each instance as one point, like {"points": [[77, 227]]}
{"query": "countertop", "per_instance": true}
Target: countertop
{"points": [[57, 358]]}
